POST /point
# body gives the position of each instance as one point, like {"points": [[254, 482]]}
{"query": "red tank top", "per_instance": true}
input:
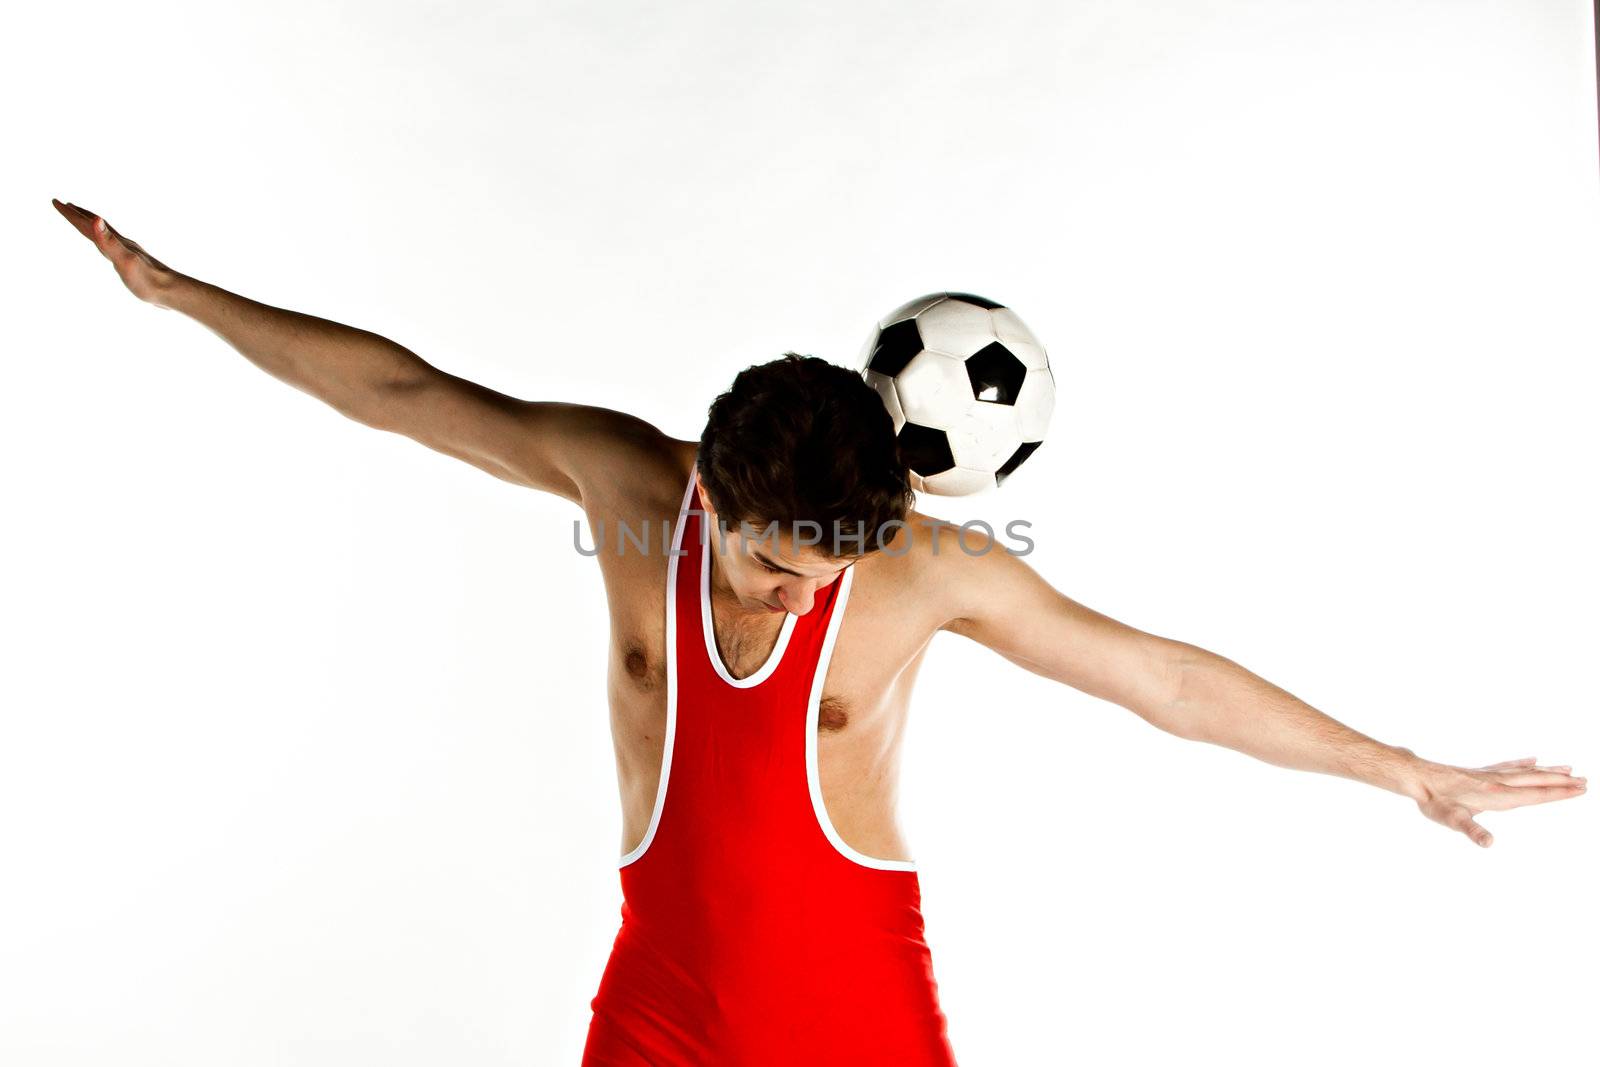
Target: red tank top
{"points": [[752, 935]]}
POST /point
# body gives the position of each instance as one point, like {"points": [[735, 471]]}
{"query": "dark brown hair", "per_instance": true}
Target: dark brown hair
{"points": [[802, 439]]}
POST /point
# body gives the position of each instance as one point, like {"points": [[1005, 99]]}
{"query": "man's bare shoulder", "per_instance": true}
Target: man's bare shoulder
{"points": [[926, 566], [934, 544], [642, 475]]}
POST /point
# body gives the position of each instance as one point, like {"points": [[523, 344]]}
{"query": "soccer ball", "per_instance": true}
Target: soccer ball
{"points": [[968, 386]]}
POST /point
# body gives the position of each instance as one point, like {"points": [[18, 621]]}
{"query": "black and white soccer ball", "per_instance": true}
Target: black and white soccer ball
{"points": [[969, 388]]}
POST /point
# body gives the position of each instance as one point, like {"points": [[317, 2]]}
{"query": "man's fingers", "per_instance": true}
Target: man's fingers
{"points": [[112, 244], [86, 217], [1461, 819], [1511, 764], [1531, 763], [1538, 777], [1458, 817], [94, 227], [81, 220], [108, 241], [1517, 796]]}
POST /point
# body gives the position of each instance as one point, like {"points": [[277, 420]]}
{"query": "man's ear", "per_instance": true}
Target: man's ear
{"points": [[705, 498]]}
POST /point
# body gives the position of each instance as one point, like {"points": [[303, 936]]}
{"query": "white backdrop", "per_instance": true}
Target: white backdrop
{"points": [[305, 755]]}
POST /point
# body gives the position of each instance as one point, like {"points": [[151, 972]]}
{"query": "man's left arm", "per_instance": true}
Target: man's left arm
{"points": [[998, 600]]}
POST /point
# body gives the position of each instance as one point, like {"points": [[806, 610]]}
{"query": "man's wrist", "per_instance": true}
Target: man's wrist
{"points": [[1405, 772], [177, 292]]}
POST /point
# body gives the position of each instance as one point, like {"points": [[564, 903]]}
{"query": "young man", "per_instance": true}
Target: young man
{"points": [[759, 680]]}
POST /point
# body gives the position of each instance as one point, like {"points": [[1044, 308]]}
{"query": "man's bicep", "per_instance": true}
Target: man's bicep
{"points": [[1002, 603], [547, 445]]}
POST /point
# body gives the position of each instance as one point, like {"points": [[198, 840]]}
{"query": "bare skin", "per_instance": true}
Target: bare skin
{"points": [[619, 469]]}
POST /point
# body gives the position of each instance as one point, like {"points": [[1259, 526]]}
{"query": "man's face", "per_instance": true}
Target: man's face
{"points": [[768, 572]]}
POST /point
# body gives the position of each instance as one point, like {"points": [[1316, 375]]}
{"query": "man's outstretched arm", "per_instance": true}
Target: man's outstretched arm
{"points": [[998, 600], [548, 445]]}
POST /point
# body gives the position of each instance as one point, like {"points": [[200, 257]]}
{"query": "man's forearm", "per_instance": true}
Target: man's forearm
{"points": [[1220, 702], [355, 371]]}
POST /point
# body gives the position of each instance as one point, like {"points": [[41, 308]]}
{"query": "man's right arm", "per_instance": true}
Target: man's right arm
{"points": [[546, 445], [558, 447]]}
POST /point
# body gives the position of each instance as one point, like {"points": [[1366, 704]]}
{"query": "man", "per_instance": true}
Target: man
{"points": [[759, 679]]}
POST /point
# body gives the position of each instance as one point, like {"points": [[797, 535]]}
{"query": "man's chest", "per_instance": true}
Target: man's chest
{"points": [[868, 675]]}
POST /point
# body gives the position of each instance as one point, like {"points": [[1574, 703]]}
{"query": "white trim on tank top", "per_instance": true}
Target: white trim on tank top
{"points": [[813, 712], [790, 618], [672, 680]]}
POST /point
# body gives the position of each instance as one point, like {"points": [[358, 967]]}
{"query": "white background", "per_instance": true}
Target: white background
{"points": [[305, 753]]}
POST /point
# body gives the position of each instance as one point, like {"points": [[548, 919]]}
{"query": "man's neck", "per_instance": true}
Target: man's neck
{"points": [[722, 594], [720, 589]]}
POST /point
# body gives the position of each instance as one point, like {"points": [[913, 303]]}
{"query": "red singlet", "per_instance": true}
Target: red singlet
{"points": [[752, 935]]}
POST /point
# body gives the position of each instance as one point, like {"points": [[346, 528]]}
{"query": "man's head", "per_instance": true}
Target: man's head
{"points": [[798, 449]]}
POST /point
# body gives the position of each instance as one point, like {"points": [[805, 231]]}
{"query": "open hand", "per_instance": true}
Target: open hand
{"points": [[145, 276], [1453, 795]]}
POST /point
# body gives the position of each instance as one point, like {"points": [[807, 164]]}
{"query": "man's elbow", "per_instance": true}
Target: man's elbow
{"points": [[1169, 701]]}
